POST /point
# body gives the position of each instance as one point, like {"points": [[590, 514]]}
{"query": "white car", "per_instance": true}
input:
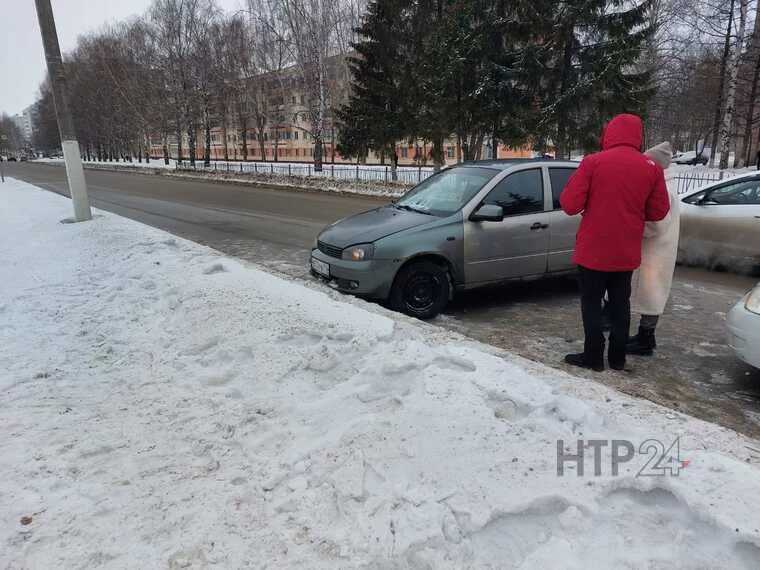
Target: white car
{"points": [[720, 225], [744, 328]]}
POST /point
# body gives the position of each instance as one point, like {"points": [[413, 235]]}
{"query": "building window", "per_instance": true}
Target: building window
{"points": [[404, 152], [293, 100], [450, 151], [301, 99], [295, 135]]}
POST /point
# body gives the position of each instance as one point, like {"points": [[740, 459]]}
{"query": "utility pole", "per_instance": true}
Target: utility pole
{"points": [[72, 158]]}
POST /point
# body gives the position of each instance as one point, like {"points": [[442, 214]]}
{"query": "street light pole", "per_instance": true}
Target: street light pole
{"points": [[72, 158]]}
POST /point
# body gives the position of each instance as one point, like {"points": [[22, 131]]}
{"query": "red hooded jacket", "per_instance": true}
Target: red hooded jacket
{"points": [[617, 190]]}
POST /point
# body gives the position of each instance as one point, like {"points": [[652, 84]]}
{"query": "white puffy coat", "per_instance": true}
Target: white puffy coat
{"points": [[659, 249]]}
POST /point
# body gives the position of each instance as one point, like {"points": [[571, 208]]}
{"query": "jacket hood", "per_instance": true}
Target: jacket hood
{"points": [[661, 154], [623, 130]]}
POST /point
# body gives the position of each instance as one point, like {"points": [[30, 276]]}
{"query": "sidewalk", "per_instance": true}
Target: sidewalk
{"points": [[163, 406]]}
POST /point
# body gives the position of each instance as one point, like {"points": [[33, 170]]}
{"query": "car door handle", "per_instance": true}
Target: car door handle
{"points": [[539, 226]]}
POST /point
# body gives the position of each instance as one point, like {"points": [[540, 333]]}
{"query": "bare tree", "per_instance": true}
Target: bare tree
{"points": [[179, 25], [734, 62], [313, 26], [753, 60]]}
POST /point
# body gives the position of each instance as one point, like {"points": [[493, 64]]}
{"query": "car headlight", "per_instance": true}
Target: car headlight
{"points": [[359, 252], [753, 300]]}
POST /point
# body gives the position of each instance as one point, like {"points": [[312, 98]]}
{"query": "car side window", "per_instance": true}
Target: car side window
{"points": [[740, 193], [519, 193], [559, 177]]}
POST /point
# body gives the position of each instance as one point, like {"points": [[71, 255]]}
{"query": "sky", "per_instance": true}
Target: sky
{"points": [[22, 62]]}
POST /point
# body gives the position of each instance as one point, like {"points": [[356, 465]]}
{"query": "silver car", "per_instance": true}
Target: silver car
{"points": [[720, 225], [470, 225]]}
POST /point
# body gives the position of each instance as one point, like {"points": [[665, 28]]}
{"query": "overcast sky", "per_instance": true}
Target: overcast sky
{"points": [[22, 63]]}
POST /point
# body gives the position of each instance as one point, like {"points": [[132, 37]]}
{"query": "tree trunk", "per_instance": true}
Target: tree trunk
{"points": [[244, 137], [224, 136], [736, 60], [262, 145], [179, 135], [722, 85], [207, 141], [749, 118], [561, 146], [438, 160], [394, 165], [165, 145], [318, 152]]}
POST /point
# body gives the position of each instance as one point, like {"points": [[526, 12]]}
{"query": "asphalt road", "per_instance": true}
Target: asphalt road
{"points": [[693, 370]]}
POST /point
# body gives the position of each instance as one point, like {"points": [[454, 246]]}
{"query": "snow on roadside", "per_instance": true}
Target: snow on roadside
{"points": [[371, 183], [164, 406]]}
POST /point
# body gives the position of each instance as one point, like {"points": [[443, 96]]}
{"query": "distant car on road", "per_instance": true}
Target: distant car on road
{"points": [[467, 226], [12, 159], [691, 158], [744, 328], [720, 225]]}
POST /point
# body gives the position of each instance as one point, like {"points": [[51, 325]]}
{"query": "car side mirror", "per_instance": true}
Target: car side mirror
{"points": [[706, 200], [488, 213]]}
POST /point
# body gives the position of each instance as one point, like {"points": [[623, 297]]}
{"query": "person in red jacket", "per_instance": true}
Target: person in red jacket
{"points": [[616, 190]]}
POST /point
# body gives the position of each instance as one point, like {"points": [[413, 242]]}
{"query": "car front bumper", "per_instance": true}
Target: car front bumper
{"points": [[744, 333], [372, 278]]}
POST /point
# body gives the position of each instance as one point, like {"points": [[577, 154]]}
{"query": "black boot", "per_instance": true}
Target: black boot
{"points": [[581, 361], [643, 344]]}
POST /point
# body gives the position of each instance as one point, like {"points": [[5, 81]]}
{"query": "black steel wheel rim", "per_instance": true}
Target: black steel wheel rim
{"points": [[421, 292]]}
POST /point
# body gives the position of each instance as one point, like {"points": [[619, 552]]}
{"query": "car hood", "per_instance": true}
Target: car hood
{"points": [[370, 226]]}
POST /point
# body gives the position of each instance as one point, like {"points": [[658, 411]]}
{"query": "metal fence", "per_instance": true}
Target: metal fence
{"points": [[357, 173], [407, 175], [689, 181]]}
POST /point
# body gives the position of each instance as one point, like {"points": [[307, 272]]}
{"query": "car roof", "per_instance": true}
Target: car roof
{"points": [[505, 163], [707, 186]]}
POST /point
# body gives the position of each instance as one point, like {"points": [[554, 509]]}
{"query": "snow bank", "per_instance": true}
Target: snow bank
{"points": [[164, 406]]}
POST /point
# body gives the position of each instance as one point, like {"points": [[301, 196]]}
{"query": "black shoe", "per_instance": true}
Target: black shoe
{"points": [[581, 361], [617, 365], [643, 344]]}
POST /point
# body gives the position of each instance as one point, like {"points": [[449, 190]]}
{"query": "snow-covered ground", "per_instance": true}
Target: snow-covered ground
{"points": [[166, 407]]}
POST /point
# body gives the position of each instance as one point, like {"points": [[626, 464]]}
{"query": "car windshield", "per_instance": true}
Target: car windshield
{"points": [[447, 192]]}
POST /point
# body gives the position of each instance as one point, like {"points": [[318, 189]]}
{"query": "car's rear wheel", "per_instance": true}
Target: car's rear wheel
{"points": [[421, 290]]}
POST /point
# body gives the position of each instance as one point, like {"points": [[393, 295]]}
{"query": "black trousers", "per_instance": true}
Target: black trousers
{"points": [[617, 285]]}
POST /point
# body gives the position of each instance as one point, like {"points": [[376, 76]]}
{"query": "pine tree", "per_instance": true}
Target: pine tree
{"points": [[375, 116], [586, 67], [468, 74]]}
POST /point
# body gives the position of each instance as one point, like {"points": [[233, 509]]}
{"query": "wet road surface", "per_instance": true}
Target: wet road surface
{"points": [[693, 369]]}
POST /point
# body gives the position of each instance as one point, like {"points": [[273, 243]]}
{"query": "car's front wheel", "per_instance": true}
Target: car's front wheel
{"points": [[421, 290]]}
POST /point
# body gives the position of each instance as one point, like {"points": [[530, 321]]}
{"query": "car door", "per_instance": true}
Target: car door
{"points": [[721, 225], [562, 228], [517, 245]]}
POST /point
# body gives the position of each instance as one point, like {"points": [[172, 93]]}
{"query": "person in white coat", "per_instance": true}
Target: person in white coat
{"points": [[653, 280]]}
